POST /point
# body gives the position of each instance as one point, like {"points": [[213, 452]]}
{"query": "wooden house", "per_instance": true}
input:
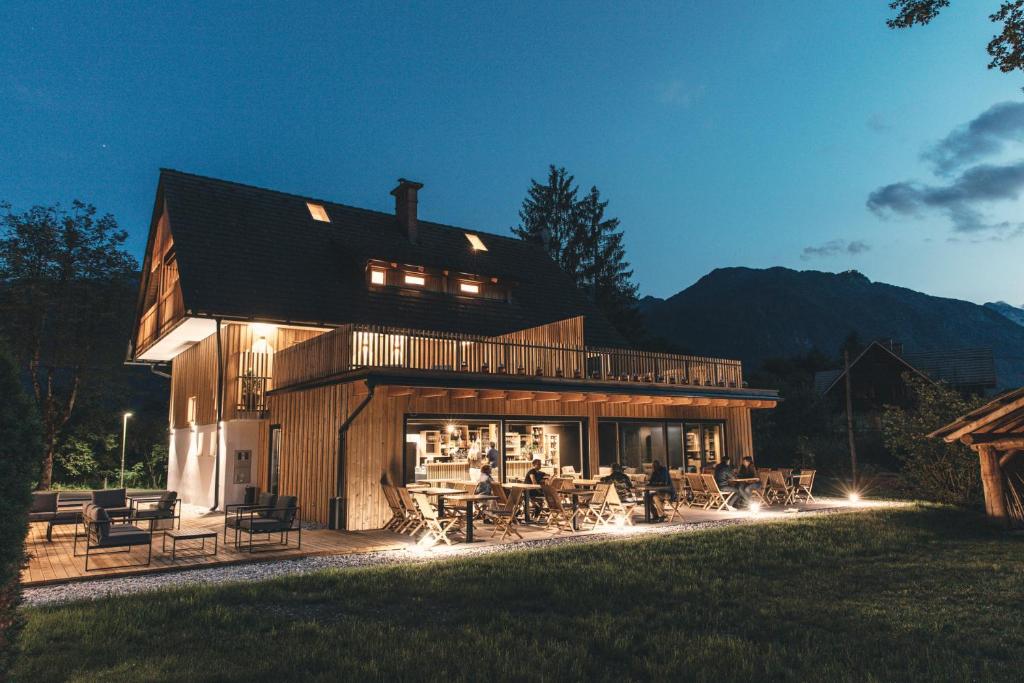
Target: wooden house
{"points": [[315, 347]]}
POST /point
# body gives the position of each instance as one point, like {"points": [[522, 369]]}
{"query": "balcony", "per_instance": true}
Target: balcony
{"points": [[160, 318], [354, 347]]}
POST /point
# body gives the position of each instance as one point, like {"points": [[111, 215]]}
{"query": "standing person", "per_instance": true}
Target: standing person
{"points": [[724, 474], [493, 456]]}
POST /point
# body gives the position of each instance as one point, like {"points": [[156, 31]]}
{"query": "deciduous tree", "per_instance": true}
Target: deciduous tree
{"points": [[64, 281], [1006, 48]]}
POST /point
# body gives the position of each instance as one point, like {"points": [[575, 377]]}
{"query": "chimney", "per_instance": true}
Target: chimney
{"points": [[405, 206]]}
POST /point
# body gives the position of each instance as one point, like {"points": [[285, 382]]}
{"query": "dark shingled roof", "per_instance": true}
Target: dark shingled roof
{"points": [[248, 252]]}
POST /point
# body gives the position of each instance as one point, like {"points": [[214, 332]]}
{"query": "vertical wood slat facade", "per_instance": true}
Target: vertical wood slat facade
{"points": [[310, 420]]}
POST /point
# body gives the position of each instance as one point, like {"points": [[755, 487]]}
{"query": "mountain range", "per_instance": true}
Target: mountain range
{"points": [[753, 314], [1012, 312]]}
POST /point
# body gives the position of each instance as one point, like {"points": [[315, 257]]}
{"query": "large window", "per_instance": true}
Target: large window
{"points": [[689, 446], [455, 448]]}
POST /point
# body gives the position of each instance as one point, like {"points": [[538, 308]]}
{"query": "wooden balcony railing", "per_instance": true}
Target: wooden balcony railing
{"points": [[359, 346], [160, 317], [253, 381]]}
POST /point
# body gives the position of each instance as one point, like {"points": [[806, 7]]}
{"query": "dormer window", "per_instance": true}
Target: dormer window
{"points": [[318, 212], [415, 280], [378, 276], [469, 288], [475, 242]]}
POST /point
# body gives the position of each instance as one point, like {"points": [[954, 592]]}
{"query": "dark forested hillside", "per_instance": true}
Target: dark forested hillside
{"points": [[754, 314]]}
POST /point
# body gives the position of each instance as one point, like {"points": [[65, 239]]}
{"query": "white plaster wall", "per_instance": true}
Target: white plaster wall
{"points": [[192, 456], [190, 464]]}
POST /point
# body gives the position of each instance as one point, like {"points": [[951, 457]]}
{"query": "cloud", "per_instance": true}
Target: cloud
{"points": [[960, 199], [985, 135], [969, 184], [680, 93], [834, 248]]}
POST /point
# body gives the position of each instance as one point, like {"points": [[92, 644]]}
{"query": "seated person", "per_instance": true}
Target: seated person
{"points": [[483, 484], [748, 471], [535, 475], [621, 481], [660, 477], [724, 474]]}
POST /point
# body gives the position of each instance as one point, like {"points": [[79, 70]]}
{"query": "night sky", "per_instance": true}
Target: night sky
{"points": [[800, 134]]}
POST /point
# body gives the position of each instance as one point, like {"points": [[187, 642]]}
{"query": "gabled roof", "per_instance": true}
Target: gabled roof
{"points": [[245, 252], [825, 381]]}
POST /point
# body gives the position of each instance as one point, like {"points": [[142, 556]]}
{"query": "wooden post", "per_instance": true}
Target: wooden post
{"points": [[849, 418], [992, 484]]}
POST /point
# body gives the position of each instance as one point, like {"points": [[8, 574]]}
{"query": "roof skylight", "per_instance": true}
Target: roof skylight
{"points": [[476, 242], [318, 212]]}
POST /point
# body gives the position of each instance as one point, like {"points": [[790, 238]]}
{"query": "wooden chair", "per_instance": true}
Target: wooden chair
{"points": [[596, 510], [434, 527], [503, 515], [619, 508], [499, 491], [556, 513], [802, 490], [761, 494], [717, 498], [699, 492], [413, 518], [395, 505], [669, 507], [779, 490]]}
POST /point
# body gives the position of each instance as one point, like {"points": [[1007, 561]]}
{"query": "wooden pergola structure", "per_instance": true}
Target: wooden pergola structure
{"points": [[996, 432]]}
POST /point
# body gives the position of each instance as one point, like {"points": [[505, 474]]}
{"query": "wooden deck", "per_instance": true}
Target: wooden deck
{"points": [[54, 562]]}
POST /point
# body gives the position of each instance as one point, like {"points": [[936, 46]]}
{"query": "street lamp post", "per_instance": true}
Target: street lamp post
{"points": [[124, 434]]}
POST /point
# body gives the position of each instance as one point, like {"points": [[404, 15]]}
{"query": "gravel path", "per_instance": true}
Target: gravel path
{"points": [[256, 571]]}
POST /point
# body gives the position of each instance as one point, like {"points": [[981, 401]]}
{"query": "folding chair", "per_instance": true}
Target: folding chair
{"points": [[698, 492], [504, 515], [717, 498], [397, 511], [804, 484], [413, 518], [556, 514], [435, 528], [597, 511], [779, 491], [619, 508]]}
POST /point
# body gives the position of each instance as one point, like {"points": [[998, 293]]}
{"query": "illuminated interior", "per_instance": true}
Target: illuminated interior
{"points": [[318, 212], [415, 280], [469, 288], [476, 242], [457, 447]]}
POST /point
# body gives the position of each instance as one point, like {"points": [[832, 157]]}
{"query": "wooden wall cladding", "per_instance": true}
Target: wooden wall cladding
{"points": [[375, 441]]}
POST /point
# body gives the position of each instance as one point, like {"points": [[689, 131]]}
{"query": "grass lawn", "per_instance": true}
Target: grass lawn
{"points": [[921, 593]]}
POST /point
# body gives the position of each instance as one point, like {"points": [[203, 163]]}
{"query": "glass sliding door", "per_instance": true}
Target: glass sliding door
{"points": [[692, 442], [642, 443], [712, 444], [558, 446], [674, 443]]}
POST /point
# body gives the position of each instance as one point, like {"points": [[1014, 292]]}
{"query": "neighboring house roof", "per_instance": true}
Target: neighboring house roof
{"points": [[958, 368], [252, 253], [825, 381]]}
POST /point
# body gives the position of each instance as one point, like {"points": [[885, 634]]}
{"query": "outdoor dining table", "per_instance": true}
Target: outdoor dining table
{"points": [[586, 482], [440, 492], [649, 492], [469, 499], [576, 493], [526, 488]]}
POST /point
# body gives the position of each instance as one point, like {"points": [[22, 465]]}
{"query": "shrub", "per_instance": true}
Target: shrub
{"points": [[20, 447], [931, 468]]}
